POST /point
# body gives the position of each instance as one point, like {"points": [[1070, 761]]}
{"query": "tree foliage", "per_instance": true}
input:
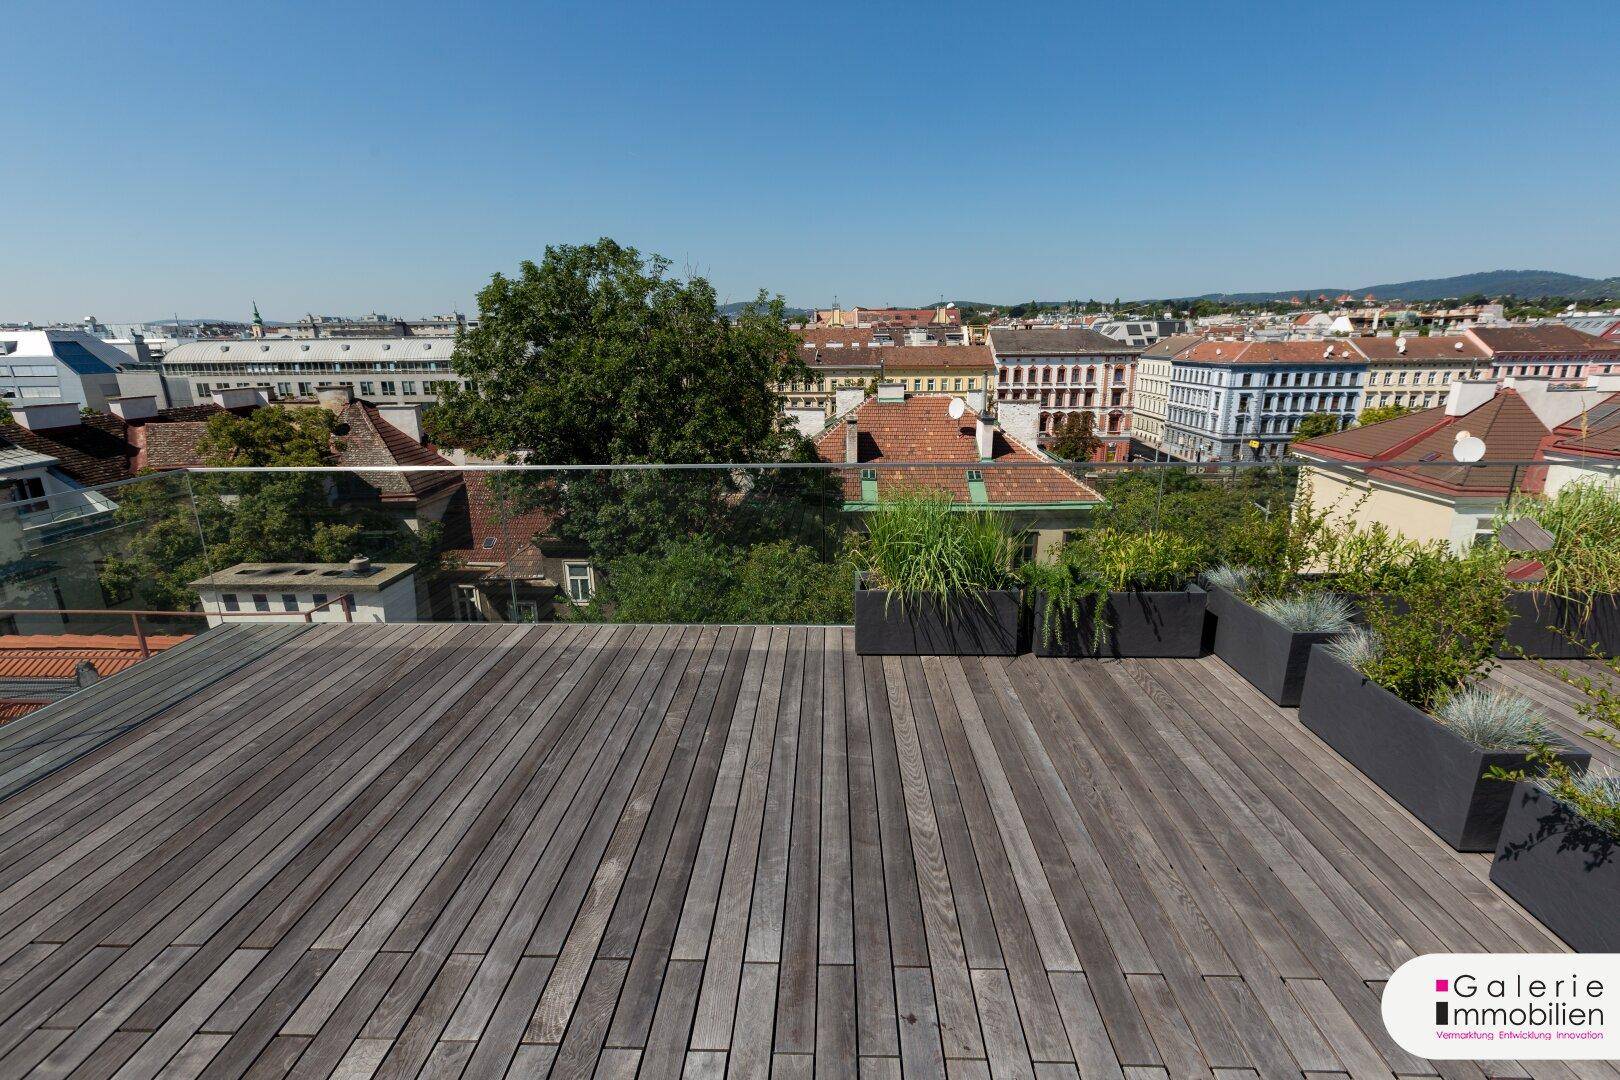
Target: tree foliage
{"points": [[230, 518], [1314, 426], [698, 580], [1075, 437], [596, 355], [1379, 413]]}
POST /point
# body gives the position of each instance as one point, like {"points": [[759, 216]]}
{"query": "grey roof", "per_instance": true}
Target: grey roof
{"points": [[1168, 347], [289, 350], [1051, 341], [336, 577]]}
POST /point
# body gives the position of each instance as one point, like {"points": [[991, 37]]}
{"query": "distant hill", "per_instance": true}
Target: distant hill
{"points": [[1526, 284]]}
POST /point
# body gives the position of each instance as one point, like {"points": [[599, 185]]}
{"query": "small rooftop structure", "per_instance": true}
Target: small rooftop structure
{"points": [[358, 590]]}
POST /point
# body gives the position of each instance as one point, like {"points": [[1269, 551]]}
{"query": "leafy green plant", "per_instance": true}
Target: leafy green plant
{"points": [[1372, 560], [1311, 613], [1492, 720], [920, 545], [1584, 519], [1439, 629], [702, 579], [1093, 563]]}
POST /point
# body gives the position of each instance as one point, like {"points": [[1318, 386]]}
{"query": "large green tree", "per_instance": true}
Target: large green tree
{"points": [[1314, 426], [178, 530], [598, 356], [1075, 437]]}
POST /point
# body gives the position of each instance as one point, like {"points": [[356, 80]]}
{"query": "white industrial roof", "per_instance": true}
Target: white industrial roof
{"points": [[290, 350]]}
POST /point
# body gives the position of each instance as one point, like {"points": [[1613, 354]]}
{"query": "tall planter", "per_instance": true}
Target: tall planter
{"points": [[1139, 624], [1435, 773], [1562, 868], [1270, 656], [984, 623], [1541, 625]]}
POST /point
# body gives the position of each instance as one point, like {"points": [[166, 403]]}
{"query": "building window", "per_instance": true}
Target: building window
{"points": [[229, 600], [289, 602], [388, 388], [407, 387], [261, 602], [466, 604], [581, 585], [366, 389], [283, 389]]}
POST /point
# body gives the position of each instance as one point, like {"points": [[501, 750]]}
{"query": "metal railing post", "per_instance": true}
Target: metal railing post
{"points": [[140, 635], [348, 612]]}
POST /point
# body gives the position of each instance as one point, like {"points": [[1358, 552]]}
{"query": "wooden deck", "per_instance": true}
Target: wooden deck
{"points": [[477, 850]]}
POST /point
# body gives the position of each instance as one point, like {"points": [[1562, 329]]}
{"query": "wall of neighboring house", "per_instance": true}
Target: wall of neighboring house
{"points": [[1569, 471], [1418, 516]]}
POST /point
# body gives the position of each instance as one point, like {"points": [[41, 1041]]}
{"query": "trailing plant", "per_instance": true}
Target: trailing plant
{"points": [[1439, 628], [1311, 613], [1096, 562], [1492, 720], [920, 546]]}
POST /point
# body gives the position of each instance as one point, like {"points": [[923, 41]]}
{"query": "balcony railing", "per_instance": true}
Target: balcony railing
{"points": [[525, 543]]}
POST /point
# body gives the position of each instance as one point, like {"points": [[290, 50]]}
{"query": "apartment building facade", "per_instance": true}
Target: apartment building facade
{"points": [[1415, 372], [1155, 368], [1551, 349], [1069, 371], [1243, 400], [399, 371]]}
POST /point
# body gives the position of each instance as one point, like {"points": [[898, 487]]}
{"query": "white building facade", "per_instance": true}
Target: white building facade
{"points": [[381, 370]]}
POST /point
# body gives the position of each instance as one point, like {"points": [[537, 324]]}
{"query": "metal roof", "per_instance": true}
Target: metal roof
{"points": [[291, 351], [17, 457]]}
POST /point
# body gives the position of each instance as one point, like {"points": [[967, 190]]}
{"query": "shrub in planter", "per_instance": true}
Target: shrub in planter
{"points": [[1574, 610], [1396, 699], [1269, 642], [1113, 593], [1559, 856], [936, 580], [1559, 853], [1437, 766]]}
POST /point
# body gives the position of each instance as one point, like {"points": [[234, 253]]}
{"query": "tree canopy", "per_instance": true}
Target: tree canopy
{"points": [[1075, 437], [1314, 426], [1379, 413]]}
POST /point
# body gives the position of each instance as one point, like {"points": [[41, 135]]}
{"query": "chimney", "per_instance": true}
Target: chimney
{"points": [[240, 397], [335, 398], [359, 566], [56, 414], [134, 408], [1020, 420], [846, 399], [984, 433], [408, 418], [1466, 395], [852, 441]]}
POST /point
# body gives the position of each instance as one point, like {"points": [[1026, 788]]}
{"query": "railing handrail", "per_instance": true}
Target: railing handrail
{"points": [[830, 466]]}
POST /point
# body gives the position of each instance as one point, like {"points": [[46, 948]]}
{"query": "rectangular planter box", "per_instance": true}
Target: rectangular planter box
{"points": [[1139, 624], [1265, 652], [1433, 772], [927, 628], [1562, 868], [1535, 614]]}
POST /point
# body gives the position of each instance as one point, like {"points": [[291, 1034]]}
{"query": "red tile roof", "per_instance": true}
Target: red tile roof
{"points": [[1272, 352], [820, 337], [1510, 430], [1418, 348], [1551, 339], [57, 656], [15, 709], [975, 358], [365, 438], [921, 429], [1595, 435], [477, 530]]}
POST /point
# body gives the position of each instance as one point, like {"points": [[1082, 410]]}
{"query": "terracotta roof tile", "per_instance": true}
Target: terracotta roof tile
{"points": [[1058, 341], [976, 358], [1551, 339], [1273, 352], [1437, 347], [921, 429], [1510, 430]]}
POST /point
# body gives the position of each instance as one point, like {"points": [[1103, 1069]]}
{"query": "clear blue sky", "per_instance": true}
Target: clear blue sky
{"points": [[342, 157]]}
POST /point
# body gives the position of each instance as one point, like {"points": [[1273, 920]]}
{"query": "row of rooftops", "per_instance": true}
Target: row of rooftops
{"points": [[94, 448], [1496, 344], [1520, 419]]}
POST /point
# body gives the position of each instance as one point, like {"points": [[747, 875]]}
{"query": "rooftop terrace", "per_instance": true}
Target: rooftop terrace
{"points": [[441, 850]]}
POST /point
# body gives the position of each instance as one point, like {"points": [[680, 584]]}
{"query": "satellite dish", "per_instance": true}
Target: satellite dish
{"points": [[1467, 447], [958, 408]]}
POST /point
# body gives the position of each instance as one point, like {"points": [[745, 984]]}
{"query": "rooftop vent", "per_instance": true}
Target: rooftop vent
{"points": [[359, 565]]}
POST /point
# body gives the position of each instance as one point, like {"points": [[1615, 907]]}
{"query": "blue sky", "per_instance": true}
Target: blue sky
{"points": [[346, 157]]}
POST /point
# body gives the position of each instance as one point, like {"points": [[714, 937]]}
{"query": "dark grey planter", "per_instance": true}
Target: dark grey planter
{"points": [[1542, 625], [1270, 656], [1436, 774], [1139, 624], [983, 625], [1562, 868]]}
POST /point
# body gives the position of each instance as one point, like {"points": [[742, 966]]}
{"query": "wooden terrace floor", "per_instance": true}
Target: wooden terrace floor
{"points": [[477, 850]]}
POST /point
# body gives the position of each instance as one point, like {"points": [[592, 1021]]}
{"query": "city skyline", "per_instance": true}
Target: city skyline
{"points": [[323, 159]]}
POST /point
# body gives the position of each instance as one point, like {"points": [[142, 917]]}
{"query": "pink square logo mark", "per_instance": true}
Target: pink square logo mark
{"points": [[1442, 985]]}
